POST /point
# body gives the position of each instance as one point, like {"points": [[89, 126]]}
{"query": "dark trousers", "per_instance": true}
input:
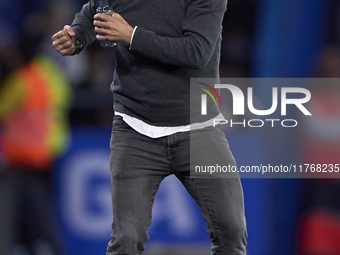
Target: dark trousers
{"points": [[139, 164], [26, 213]]}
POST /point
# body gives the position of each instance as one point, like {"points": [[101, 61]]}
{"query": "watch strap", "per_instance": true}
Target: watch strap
{"points": [[79, 46]]}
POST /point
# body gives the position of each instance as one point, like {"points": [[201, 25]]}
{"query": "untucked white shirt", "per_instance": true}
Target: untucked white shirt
{"points": [[157, 131]]}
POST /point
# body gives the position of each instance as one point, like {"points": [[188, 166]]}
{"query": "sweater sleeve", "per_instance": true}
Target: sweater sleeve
{"points": [[83, 24], [201, 29]]}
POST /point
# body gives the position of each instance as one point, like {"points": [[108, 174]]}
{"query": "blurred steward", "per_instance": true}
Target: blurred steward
{"points": [[34, 104]]}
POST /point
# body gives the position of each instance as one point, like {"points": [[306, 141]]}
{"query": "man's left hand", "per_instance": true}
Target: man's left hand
{"points": [[112, 26]]}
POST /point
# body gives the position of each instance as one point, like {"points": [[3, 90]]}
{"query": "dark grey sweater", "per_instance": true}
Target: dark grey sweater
{"points": [[175, 40]]}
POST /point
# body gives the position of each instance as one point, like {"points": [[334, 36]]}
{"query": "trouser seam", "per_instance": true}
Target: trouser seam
{"points": [[151, 206], [209, 213]]}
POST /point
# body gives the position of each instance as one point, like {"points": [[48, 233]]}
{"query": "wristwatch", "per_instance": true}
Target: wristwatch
{"points": [[79, 46]]}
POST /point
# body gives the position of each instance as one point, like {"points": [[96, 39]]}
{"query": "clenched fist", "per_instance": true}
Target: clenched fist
{"points": [[64, 41]]}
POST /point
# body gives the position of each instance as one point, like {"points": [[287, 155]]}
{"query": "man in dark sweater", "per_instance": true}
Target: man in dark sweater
{"points": [[159, 47]]}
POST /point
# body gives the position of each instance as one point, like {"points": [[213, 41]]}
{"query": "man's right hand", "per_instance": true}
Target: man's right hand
{"points": [[63, 41]]}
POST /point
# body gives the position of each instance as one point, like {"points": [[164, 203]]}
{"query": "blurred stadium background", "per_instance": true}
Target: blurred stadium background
{"points": [[261, 38]]}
